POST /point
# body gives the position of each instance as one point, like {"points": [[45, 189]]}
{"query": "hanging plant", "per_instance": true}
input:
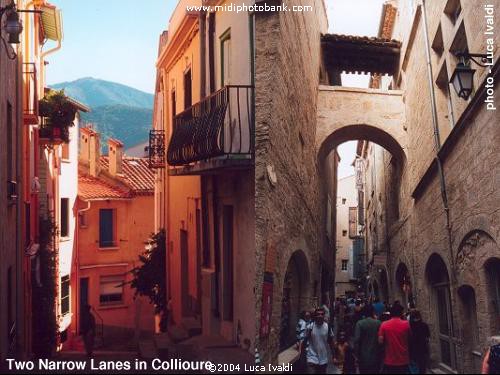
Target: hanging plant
{"points": [[59, 115], [44, 287], [149, 279]]}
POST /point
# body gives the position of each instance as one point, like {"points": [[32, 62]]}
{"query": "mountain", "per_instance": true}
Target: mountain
{"points": [[97, 92], [117, 110], [130, 125]]}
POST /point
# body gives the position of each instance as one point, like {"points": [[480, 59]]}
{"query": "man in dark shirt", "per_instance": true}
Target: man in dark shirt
{"points": [[419, 342], [366, 342]]}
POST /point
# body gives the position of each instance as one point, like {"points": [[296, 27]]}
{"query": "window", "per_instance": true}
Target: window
{"points": [[174, 106], [352, 221], [65, 151], [111, 290], [10, 306], [345, 262], [107, 228], [9, 142], [65, 300], [82, 219], [344, 233], [453, 9], [225, 51], [64, 219], [188, 92], [228, 263], [343, 200]]}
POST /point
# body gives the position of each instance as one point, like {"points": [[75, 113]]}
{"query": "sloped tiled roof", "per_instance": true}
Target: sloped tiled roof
{"points": [[90, 188], [135, 174]]}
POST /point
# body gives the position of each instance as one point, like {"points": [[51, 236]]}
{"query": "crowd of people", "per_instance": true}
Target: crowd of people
{"points": [[368, 337]]}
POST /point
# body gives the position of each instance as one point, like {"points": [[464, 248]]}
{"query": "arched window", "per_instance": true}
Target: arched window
{"points": [[492, 269], [439, 282]]}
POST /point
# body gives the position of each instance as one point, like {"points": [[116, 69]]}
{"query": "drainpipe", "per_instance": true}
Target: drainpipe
{"points": [[77, 267], [439, 163]]}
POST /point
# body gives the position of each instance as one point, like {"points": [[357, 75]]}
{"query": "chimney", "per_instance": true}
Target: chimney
{"points": [[115, 154], [89, 150], [94, 154]]}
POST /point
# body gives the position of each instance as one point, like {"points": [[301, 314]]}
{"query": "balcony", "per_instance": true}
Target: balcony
{"points": [[30, 94], [156, 149], [215, 133]]}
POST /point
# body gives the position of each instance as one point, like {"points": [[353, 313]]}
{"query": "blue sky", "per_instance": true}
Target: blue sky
{"points": [[115, 40]]}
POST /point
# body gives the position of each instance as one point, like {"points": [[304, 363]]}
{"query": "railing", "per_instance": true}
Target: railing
{"points": [[156, 149], [30, 94], [101, 325], [221, 124]]}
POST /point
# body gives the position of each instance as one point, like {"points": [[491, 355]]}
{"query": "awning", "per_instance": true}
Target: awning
{"points": [[51, 22], [355, 54]]}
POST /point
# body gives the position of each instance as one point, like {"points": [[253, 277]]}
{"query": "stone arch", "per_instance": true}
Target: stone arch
{"points": [[491, 276], [346, 113], [354, 132], [403, 283], [295, 295], [440, 309], [477, 263], [469, 329]]}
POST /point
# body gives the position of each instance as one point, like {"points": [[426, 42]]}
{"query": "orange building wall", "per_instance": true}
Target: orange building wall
{"points": [[134, 224], [183, 192]]}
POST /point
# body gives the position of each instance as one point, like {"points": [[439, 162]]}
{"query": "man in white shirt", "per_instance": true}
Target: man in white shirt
{"points": [[319, 342]]}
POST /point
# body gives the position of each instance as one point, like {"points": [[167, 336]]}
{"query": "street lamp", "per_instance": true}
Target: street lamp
{"points": [[13, 26], [462, 77]]}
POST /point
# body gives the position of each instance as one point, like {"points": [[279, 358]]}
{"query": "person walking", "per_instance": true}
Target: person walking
{"points": [[302, 324], [87, 329], [394, 335], [379, 307], [344, 358], [319, 341], [419, 342], [491, 362], [366, 345]]}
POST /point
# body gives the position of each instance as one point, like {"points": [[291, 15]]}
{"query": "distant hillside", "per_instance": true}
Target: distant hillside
{"points": [[117, 111], [96, 92], [128, 124]]}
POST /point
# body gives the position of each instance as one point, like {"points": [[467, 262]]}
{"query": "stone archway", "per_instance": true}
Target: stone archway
{"points": [[346, 114], [294, 298], [438, 282]]}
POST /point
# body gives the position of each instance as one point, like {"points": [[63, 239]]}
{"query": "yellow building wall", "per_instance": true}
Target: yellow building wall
{"points": [[182, 192]]}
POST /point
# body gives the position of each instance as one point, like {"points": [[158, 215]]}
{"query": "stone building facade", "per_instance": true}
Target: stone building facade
{"points": [[430, 168], [291, 239], [432, 238]]}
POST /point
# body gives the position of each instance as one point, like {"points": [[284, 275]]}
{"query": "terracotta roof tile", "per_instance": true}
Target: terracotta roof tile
{"points": [[90, 188], [135, 174]]}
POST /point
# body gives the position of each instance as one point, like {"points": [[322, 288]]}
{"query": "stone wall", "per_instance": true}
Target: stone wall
{"points": [[287, 185], [11, 272], [471, 171]]}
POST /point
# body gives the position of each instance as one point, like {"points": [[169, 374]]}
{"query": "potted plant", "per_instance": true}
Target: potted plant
{"points": [[59, 114]]}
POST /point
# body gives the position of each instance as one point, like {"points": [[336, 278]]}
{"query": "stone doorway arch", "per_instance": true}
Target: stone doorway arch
{"points": [[295, 298], [438, 282], [404, 289]]}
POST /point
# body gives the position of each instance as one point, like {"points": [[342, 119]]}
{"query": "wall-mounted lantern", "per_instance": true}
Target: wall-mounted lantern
{"points": [[462, 77]]}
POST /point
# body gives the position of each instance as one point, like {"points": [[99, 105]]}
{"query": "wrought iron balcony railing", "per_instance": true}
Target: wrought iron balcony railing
{"points": [[30, 94], [222, 124], [156, 149]]}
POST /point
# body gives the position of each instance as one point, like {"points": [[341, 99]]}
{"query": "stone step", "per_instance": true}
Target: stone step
{"points": [[147, 349], [178, 333], [192, 326]]}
